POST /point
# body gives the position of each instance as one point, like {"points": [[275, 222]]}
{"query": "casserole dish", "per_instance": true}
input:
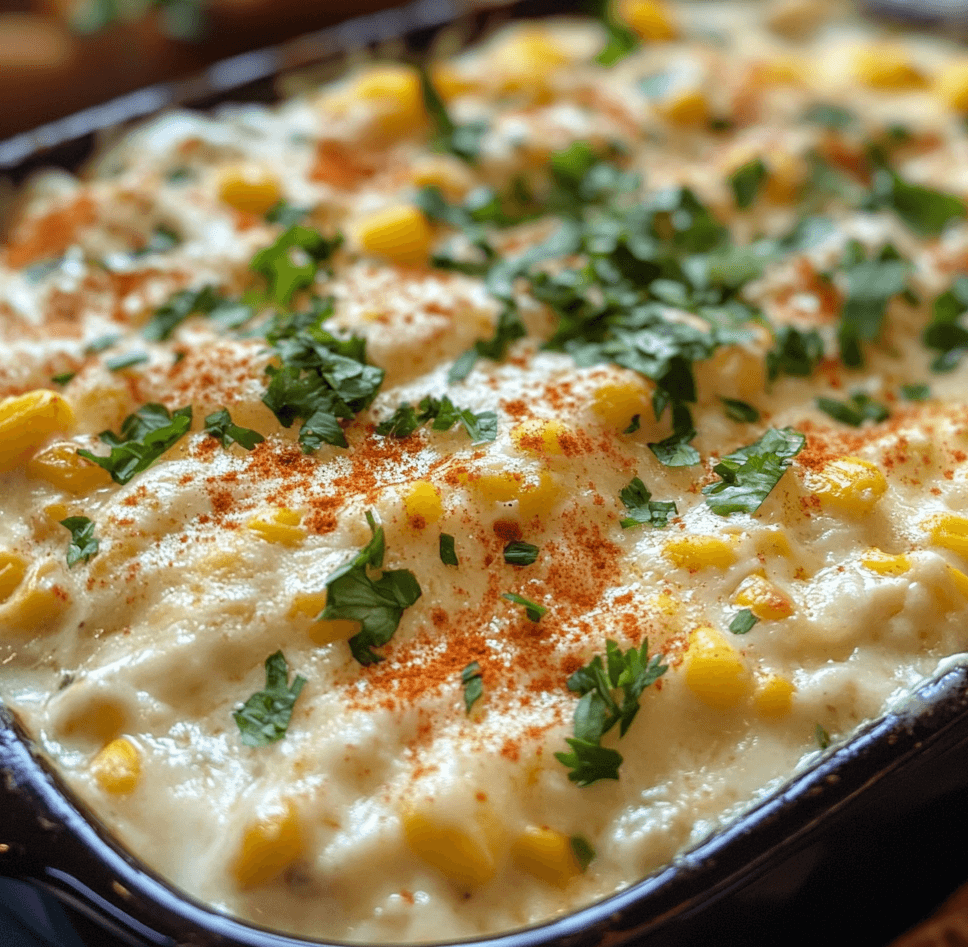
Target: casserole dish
{"points": [[712, 867]]}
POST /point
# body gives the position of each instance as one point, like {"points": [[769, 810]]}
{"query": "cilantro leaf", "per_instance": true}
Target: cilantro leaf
{"points": [[945, 333], [533, 610], [285, 214], [597, 711], [264, 717], [830, 116], [520, 554], [161, 240], [740, 411], [292, 261], [643, 509], [582, 850], [619, 42], [634, 424], [915, 392], [180, 306], [795, 352], [473, 682], [145, 436], [444, 414], [749, 474], [925, 210], [746, 182], [742, 622], [871, 283], [821, 736], [464, 141], [63, 378], [448, 553], [220, 426], [855, 411], [509, 329], [84, 544], [377, 604], [675, 450], [129, 360]]}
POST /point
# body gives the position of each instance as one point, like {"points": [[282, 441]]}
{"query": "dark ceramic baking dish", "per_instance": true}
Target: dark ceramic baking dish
{"points": [[858, 847]]}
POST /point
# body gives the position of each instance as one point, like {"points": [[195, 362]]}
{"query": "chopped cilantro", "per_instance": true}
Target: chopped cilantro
{"points": [[749, 474], [101, 343], [746, 182], [598, 710], [520, 554], [634, 424], [448, 553], [795, 352], [582, 850], [871, 283], [179, 307], [321, 380], [830, 116], [145, 436], [533, 610], [84, 543], [675, 450], [740, 411], [220, 426], [464, 141], [855, 410], [742, 622], [821, 736], [377, 604], [509, 329], [473, 682], [444, 414], [161, 240], [264, 717], [945, 332], [290, 263], [925, 210], [619, 42], [63, 378], [916, 392], [285, 214], [120, 362], [642, 508]]}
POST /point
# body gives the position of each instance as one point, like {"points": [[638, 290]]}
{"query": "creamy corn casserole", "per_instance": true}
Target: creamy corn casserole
{"points": [[432, 504]]}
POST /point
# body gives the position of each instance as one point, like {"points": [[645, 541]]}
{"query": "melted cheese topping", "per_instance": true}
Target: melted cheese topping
{"points": [[388, 811]]}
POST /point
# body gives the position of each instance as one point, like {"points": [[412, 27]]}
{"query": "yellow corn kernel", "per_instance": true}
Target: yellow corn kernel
{"points": [[12, 572], [958, 579], [117, 767], [400, 233], [26, 421], [774, 542], [785, 178], [281, 527], [462, 858], [526, 59], [500, 487], [774, 696], [535, 499], [268, 847], [250, 190], [951, 86], [649, 19], [949, 531], [783, 70], [539, 437], [667, 603], [33, 607], [617, 402], [715, 673], [689, 107], [763, 599], [882, 66], [423, 504], [884, 563], [699, 552], [447, 174], [849, 484], [307, 604], [311, 604], [449, 81], [546, 854], [62, 467], [395, 93]]}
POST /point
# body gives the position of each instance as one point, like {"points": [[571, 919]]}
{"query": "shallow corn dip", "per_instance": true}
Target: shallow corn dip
{"points": [[788, 262]]}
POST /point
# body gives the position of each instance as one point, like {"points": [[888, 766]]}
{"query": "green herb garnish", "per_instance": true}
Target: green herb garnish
{"points": [[464, 141], [830, 116], [120, 362], [749, 474], [742, 622], [916, 392], [598, 710], [582, 850], [481, 427], [290, 263], [473, 682], [145, 436], [264, 717], [533, 610], [220, 426], [747, 181], [84, 543], [448, 552], [377, 604], [821, 736], [795, 352], [642, 508], [945, 332], [855, 411], [740, 411], [63, 378], [520, 554]]}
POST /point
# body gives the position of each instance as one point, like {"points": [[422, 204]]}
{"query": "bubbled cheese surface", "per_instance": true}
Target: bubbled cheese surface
{"points": [[388, 812]]}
